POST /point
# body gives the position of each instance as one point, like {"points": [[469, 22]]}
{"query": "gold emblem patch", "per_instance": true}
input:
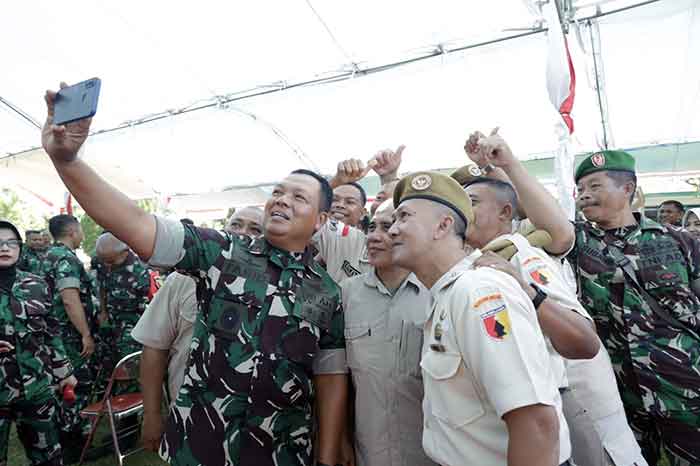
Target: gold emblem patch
{"points": [[474, 170], [421, 182]]}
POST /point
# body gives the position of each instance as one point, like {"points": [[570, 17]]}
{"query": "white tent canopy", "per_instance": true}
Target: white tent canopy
{"points": [[158, 58]]}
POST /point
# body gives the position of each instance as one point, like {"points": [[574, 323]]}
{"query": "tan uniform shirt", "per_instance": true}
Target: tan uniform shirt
{"points": [[384, 336], [539, 268], [167, 325], [483, 356], [343, 249]]}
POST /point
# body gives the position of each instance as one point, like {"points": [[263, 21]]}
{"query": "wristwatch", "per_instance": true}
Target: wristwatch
{"points": [[539, 297]]}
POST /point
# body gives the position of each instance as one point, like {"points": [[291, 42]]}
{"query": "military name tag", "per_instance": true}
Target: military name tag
{"points": [[314, 305], [245, 265]]}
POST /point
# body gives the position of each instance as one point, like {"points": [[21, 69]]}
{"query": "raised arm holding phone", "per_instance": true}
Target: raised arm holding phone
{"points": [[266, 344]]}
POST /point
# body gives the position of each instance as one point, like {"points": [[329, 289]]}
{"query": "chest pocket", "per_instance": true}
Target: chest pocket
{"points": [[410, 348], [450, 393], [661, 265], [314, 304], [367, 346]]}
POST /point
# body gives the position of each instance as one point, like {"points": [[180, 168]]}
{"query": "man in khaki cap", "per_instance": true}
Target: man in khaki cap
{"points": [[385, 311], [490, 395]]}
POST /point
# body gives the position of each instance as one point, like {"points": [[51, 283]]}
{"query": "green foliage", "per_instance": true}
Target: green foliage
{"points": [[149, 205], [15, 210], [91, 230]]}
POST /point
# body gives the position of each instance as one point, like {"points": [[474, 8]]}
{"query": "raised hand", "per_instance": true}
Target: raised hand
{"points": [[351, 170], [471, 147], [483, 150], [388, 161], [62, 142]]}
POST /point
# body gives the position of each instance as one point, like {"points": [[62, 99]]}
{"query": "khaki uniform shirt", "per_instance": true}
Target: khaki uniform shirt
{"points": [[483, 356], [538, 268], [167, 325], [384, 336], [343, 249]]}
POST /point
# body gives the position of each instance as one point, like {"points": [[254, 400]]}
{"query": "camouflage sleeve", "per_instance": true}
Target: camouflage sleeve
{"points": [[142, 287], [67, 273], [691, 250], [331, 357], [572, 256], [23, 263], [186, 247], [60, 362]]}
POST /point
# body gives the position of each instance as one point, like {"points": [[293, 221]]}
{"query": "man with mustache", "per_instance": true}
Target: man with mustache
{"points": [[639, 280], [385, 310], [268, 342]]}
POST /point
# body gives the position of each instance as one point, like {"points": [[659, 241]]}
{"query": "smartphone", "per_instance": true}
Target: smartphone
{"points": [[76, 102]]}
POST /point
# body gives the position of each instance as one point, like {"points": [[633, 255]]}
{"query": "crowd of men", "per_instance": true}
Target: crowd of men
{"points": [[461, 319]]}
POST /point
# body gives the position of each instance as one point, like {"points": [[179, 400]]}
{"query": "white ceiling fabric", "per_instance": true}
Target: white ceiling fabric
{"points": [[158, 56]]}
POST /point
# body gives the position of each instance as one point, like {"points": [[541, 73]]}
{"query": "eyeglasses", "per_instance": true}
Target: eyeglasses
{"points": [[10, 243]]}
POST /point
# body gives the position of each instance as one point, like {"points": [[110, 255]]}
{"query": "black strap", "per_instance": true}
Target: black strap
{"points": [[630, 275]]}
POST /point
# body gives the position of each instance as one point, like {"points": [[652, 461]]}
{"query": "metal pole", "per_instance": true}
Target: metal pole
{"points": [[595, 52]]}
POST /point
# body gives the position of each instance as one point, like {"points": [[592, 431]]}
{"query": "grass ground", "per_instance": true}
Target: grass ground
{"points": [[16, 455]]}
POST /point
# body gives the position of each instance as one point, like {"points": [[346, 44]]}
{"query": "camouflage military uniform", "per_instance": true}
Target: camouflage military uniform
{"points": [[28, 372], [125, 288], [657, 366], [105, 344], [32, 261], [63, 270], [273, 320]]}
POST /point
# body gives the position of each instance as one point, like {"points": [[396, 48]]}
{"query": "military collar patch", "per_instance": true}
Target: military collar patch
{"points": [[598, 160], [421, 182]]}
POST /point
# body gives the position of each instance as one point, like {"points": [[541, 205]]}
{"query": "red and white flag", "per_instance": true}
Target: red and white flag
{"points": [[561, 78], [561, 86]]}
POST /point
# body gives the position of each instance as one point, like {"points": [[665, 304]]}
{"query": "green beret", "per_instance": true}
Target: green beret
{"points": [[435, 187], [605, 160], [466, 174]]}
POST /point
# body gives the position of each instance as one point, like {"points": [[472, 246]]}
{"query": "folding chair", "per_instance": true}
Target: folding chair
{"points": [[117, 407]]}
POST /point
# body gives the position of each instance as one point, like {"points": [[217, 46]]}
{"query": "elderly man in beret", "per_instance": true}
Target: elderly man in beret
{"points": [[490, 395], [640, 282]]}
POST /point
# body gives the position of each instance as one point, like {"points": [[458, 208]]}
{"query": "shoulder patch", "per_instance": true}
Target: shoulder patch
{"points": [[493, 312], [541, 274]]}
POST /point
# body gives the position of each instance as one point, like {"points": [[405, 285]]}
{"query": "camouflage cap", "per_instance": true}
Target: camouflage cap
{"points": [[605, 160], [435, 187], [466, 174], [9, 225]]}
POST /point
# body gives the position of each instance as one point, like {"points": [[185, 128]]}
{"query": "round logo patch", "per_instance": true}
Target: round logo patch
{"points": [[421, 182], [598, 160], [474, 170]]}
